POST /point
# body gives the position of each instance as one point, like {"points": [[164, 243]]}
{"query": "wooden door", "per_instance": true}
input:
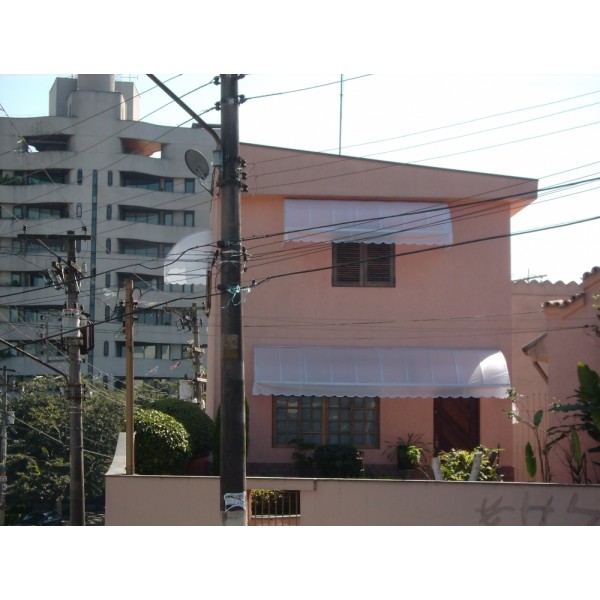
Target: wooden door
{"points": [[455, 424]]}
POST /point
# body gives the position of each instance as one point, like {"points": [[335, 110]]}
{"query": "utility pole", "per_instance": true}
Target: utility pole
{"points": [[3, 443], [69, 274], [196, 354], [129, 422], [233, 418], [74, 341]]}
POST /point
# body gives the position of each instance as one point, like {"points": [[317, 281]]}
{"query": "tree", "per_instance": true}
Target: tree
{"points": [[162, 445], [196, 422], [38, 442]]}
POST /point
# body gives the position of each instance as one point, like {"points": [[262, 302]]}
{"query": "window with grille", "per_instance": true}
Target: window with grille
{"points": [[321, 420], [363, 265]]}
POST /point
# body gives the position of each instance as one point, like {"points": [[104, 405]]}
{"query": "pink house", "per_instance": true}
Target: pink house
{"points": [[568, 336], [376, 303]]}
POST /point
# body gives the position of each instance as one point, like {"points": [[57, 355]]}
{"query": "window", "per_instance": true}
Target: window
{"points": [[147, 181], [144, 282], [153, 317], [190, 186], [321, 420], [143, 350], [78, 210], [41, 211], [143, 248], [108, 245], [137, 214], [105, 348], [188, 219], [43, 176], [79, 176], [109, 178], [363, 265]]}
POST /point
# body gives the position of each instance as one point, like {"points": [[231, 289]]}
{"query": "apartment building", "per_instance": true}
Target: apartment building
{"points": [[121, 187]]}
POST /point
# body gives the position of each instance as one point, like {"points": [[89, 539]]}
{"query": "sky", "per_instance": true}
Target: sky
{"points": [[540, 126]]}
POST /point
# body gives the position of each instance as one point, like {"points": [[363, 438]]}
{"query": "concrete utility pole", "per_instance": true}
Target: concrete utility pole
{"points": [[73, 337], [3, 443], [69, 274], [233, 418]]}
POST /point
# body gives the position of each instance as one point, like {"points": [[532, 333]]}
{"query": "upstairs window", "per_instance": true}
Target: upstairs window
{"points": [[363, 265]]}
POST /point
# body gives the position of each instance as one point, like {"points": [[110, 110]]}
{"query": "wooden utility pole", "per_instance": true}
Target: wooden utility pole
{"points": [[233, 418], [129, 422]]}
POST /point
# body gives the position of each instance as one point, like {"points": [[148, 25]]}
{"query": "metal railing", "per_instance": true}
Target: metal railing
{"points": [[274, 508]]}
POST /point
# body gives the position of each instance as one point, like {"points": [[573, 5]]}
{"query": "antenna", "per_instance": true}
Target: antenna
{"points": [[198, 165]]}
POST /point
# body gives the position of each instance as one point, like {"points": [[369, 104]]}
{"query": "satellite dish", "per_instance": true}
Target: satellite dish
{"points": [[197, 164]]}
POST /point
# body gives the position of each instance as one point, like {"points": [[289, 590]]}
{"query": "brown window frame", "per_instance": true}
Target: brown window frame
{"points": [[325, 406], [357, 264]]}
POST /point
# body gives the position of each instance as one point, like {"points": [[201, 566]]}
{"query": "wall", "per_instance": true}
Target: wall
{"points": [[154, 500]]}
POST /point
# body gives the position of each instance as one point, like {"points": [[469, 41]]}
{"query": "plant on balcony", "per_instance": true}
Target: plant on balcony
{"points": [[406, 452], [338, 460], [456, 465]]}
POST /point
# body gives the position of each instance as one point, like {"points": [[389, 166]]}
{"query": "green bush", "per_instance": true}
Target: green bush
{"points": [[162, 445], [196, 422], [338, 460], [456, 465]]}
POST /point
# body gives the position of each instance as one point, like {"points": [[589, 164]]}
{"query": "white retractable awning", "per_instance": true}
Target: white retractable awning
{"points": [[367, 221], [379, 372]]}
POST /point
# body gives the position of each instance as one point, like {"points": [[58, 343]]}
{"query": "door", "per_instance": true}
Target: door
{"points": [[455, 424]]}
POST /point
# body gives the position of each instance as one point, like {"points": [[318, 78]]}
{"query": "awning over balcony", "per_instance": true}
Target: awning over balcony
{"points": [[367, 221], [379, 372]]}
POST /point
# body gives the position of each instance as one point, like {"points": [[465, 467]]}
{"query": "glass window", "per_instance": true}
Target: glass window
{"points": [[108, 245], [109, 178], [79, 176], [168, 184], [188, 219], [321, 420], [108, 212], [190, 186]]}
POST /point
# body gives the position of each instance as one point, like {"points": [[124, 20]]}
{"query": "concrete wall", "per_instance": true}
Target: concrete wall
{"points": [[154, 500]]}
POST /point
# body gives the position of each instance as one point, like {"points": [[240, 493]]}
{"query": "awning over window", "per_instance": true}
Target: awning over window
{"points": [[367, 221], [379, 372]]}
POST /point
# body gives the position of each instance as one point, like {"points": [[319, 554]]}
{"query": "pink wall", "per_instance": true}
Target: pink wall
{"points": [[571, 339]]}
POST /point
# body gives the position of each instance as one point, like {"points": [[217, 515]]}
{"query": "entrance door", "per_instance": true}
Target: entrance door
{"points": [[455, 424]]}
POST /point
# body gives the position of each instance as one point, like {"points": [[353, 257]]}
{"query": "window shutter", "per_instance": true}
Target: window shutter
{"points": [[379, 268], [347, 263]]}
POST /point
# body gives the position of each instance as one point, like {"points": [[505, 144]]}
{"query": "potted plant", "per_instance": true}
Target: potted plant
{"points": [[407, 452]]}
